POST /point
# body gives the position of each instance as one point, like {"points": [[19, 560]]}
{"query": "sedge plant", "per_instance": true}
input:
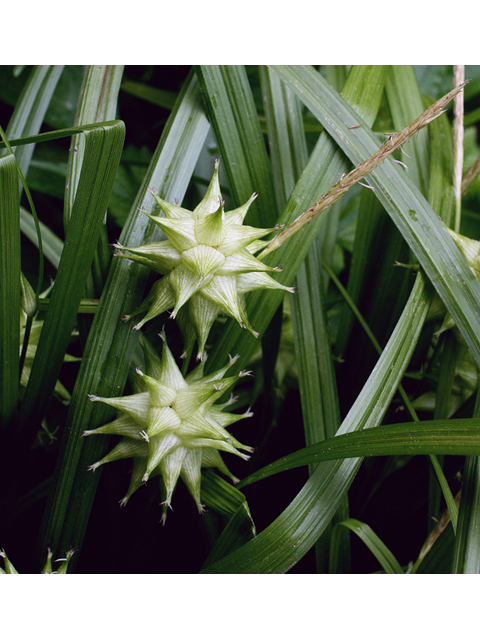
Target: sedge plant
{"points": [[295, 245]]}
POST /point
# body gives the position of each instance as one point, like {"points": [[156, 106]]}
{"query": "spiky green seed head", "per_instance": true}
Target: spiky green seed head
{"points": [[207, 261], [173, 428]]}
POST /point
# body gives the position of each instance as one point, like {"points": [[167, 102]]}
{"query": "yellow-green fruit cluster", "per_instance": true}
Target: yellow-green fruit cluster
{"points": [[172, 427], [207, 261]]}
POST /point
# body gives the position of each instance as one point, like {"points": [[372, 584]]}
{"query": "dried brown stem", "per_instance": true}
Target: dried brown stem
{"points": [[394, 141], [434, 535]]}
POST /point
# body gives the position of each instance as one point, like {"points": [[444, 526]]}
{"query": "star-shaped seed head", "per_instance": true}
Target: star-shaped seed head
{"points": [[207, 262], [173, 427]]}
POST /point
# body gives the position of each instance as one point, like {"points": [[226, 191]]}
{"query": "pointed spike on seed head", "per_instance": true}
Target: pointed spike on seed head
{"points": [[163, 519], [209, 203], [171, 211], [255, 246], [167, 503], [231, 400], [139, 325], [211, 228], [48, 565], [233, 359], [237, 216]]}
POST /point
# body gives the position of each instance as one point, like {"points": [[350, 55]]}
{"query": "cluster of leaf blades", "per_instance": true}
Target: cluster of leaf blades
{"points": [[289, 178]]}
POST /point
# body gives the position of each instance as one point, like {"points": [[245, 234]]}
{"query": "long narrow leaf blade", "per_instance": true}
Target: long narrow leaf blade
{"points": [[466, 552], [52, 244], [443, 437], [27, 119], [30, 109], [385, 557], [405, 103], [97, 103], [104, 146], [9, 290], [220, 495]]}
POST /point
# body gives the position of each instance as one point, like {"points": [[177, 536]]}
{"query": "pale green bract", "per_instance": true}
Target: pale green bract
{"points": [[172, 427], [208, 263]]}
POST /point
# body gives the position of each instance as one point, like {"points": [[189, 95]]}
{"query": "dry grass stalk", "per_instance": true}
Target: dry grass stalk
{"points": [[394, 141]]}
